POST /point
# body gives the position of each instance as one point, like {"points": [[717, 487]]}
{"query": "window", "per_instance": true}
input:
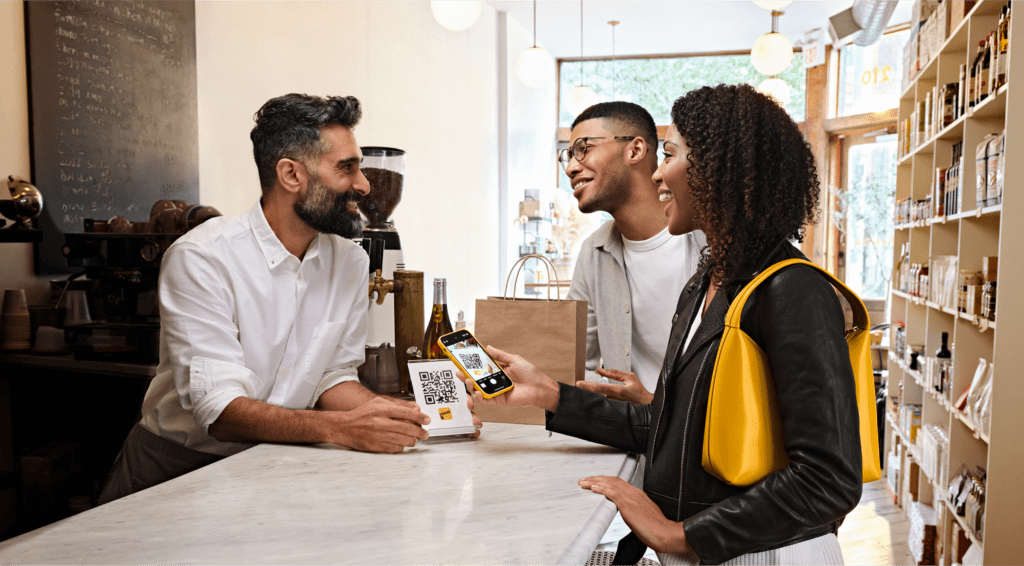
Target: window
{"points": [[655, 83], [864, 215], [869, 77]]}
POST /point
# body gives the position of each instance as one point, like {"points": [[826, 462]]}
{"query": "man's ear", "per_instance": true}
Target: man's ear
{"points": [[637, 150], [291, 174]]}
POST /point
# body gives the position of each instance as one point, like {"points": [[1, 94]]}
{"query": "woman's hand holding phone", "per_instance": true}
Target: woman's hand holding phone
{"points": [[532, 387]]}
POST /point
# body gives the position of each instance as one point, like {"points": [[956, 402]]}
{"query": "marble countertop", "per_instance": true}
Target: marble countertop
{"points": [[508, 497]]}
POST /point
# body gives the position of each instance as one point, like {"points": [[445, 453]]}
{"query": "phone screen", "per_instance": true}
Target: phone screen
{"points": [[476, 362]]}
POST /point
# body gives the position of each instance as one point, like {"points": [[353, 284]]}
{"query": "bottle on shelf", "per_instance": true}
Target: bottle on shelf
{"points": [[439, 324], [899, 267], [984, 69], [945, 358], [972, 94], [1002, 48]]}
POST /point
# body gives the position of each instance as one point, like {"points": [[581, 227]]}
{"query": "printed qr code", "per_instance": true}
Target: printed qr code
{"points": [[438, 387], [472, 361]]}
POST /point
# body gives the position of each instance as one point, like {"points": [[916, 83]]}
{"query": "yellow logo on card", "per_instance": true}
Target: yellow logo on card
{"points": [[446, 413]]}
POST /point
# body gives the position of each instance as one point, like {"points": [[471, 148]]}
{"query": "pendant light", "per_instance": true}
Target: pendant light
{"points": [[771, 5], [772, 52], [775, 88], [535, 67], [581, 97], [615, 77], [456, 15]]}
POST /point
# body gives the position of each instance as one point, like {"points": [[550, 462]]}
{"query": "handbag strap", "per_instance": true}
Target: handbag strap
{"points": [[518, 266], [860, 313]]}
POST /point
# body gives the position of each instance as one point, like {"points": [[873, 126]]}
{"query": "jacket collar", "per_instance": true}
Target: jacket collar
{"points": [[713, 322]]}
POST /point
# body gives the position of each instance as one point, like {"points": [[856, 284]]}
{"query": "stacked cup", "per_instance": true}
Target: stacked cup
{"points": [[15, 323]]}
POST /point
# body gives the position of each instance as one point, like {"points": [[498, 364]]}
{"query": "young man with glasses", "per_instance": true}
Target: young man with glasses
{"points": [[631, 270]]}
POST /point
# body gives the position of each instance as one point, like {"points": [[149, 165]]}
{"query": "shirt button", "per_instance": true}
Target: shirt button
{"points": [[627, 352], [627, 310]]}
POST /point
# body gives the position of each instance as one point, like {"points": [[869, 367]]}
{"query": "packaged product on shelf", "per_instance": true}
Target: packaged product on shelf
{"points": [[967, 277], [981, 170], [939, 191], [994, 180], [974, 507], [972, 300], [957, 488], [969, 396], [921, 532], [948, 104], [982, 407], [988, 300], [989, 268], [942, 276]]}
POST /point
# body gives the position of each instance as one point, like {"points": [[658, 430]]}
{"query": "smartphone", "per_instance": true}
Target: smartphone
{"points": [[475, 363]]}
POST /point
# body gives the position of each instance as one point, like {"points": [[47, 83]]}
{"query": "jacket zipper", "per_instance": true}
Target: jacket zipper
{"points": [[686, 435]]}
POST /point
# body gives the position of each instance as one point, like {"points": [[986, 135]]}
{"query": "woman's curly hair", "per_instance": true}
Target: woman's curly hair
{"points": [[752, 176]]}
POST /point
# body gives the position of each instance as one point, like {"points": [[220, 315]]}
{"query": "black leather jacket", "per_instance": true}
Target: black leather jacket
{"points": [[796, 318]]}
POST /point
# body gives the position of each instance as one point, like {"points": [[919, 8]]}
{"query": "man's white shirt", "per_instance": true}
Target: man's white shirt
{"points": [[240, 316], [657, 269]]}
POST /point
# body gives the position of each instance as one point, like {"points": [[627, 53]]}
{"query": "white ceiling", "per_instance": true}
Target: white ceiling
{"points": [[649, 27]]}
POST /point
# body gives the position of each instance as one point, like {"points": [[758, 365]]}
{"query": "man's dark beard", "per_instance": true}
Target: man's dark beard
{"points": [[323, 214]]}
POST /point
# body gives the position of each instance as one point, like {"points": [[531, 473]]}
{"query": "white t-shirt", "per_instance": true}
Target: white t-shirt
{"points": [[654, 290], [240, 316]]}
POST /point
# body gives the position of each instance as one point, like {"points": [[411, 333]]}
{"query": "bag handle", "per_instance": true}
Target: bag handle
{"points": [[521, 263], [860, 313]]}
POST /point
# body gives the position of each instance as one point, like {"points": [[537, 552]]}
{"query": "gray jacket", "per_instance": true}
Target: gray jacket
{"points": [[600, 279]]}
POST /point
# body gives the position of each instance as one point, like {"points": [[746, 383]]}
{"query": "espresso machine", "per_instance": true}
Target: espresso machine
{"points": [[395, 310]]}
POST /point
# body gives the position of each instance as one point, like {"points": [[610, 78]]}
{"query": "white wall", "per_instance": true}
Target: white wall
{"points": [[424, 89], [531, 134], [427, 90]]}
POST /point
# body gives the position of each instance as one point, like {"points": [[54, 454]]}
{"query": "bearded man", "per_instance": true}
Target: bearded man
{"points": [[263, 315]]}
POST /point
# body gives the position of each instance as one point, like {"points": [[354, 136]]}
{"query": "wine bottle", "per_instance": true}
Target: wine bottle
{"points": [[1004, 47], [983, 73], [439, 324], [972, 96], [945, 358]]}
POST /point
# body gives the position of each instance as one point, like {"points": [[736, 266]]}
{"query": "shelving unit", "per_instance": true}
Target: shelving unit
{"points": [[970, 235]]}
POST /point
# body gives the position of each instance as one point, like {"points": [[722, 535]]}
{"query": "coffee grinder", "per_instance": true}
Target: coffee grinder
{"points": [[395, 310]]}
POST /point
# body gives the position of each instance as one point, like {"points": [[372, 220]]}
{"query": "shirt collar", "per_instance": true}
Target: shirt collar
{"points": [[273, 250]]}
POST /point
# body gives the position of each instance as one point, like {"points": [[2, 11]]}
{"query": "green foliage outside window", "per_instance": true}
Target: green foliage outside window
{"points": [[655, 83]]}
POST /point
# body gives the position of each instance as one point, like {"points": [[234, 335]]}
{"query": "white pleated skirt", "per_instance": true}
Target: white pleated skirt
{"points": [[822, 550]]}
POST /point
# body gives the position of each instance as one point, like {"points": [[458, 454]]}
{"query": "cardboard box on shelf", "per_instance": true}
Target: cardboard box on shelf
{"points": [[957, 10], [989, 268], [534, 209], [921, 10]]}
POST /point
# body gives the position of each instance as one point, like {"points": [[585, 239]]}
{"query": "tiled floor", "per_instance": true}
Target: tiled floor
{"points": [[874, 533]]}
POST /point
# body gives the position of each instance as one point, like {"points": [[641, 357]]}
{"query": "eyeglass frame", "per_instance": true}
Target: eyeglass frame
{"points": [[570, 152]]}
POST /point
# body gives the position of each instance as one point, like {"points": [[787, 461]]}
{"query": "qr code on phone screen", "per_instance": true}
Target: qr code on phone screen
{"points": [[472, 361], [438, 387]]}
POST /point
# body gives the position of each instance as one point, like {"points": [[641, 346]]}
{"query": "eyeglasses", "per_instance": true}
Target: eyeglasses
{"points": [[578, 149]]}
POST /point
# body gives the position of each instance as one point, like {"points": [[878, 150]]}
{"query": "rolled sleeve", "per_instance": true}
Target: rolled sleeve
{"points": [[213, 384], [200, 334]]}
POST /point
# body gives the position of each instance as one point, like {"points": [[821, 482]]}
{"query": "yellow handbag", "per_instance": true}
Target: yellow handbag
{"points": [[743, 435]]}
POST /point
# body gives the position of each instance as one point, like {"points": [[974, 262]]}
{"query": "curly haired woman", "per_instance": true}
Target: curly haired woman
{"points": [[736, 167]]}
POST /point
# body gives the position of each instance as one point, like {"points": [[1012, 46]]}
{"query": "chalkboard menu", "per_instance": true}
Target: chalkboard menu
{"points": [[112, 89]]}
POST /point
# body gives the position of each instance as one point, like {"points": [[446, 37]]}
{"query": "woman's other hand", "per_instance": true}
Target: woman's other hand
{"points": [[642, 515], [631, 389], [532, 387]]}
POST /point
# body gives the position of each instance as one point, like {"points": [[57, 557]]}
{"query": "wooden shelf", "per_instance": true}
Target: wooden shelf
{"points": [[972, 233], [20, 235]]}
